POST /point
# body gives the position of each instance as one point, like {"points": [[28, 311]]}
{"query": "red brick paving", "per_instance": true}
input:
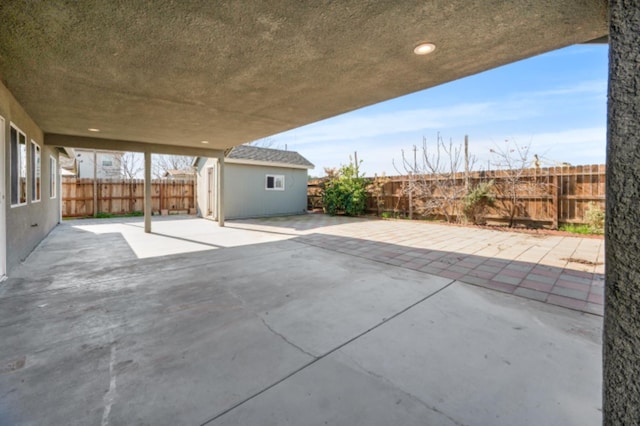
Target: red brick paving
{"points": [[491, 274], [384, 242]]}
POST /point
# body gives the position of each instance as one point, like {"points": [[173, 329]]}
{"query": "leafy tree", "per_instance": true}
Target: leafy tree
{"points": [[346, 190]]}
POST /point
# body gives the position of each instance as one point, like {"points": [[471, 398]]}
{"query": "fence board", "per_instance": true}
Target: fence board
{"points": [[117, 196]]}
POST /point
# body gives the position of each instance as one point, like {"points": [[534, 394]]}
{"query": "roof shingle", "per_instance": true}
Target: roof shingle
{"points": [[254, 153]]}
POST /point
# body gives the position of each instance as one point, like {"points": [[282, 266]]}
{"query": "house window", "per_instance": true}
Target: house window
{"points": [[274, 183], [35, 172], [18, 159], [53, 174]]}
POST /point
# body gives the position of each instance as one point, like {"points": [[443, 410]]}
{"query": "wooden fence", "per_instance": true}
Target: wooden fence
{"points": [[115, 196], [545, 197]]}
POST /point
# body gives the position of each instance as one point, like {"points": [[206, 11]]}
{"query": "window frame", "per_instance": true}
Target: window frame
{"points": [[275, 179], [35, 159], [53, 177], [17, 166]]}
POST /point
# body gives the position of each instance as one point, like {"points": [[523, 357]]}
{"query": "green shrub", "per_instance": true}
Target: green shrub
{"points": [[477, 201], [345, 191], [594, 217]]}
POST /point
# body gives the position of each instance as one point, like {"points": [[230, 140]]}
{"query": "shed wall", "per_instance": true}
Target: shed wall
{"points": [[245, 194], [201, 187]]}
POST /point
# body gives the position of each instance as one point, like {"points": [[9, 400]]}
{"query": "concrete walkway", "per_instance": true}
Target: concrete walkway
{"points": [[289, 321]]}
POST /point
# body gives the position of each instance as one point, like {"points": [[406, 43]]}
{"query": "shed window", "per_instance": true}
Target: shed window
{"points": [[18, 159], [274, 183], [36, 177]]}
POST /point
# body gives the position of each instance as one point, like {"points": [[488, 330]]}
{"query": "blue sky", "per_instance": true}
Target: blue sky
{"points": [[555, 103]]}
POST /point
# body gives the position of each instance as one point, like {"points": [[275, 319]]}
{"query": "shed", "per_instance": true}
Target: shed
{"points": [[257, 182]]}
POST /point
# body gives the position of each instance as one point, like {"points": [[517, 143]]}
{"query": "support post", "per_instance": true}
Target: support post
{"points": [[220, 189], [195, 191], [148, 206], [621, 337], [95, 183]]}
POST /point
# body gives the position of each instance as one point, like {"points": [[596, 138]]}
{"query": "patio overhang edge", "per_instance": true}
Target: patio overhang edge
{"points": [[84, 142]]}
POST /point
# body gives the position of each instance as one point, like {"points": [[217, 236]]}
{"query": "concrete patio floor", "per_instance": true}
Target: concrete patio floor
{"points": [[305, 320]]}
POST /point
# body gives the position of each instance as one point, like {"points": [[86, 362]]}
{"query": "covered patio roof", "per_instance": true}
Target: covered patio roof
{"points": [[180, 73]]}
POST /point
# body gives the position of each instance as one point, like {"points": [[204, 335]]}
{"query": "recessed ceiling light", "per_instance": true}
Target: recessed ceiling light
{"points": [[93, 129], [204, 141], [424, 48]]}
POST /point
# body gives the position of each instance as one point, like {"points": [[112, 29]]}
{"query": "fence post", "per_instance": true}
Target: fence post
{"points": [[466, 164], [410, 195], [555, 211]]}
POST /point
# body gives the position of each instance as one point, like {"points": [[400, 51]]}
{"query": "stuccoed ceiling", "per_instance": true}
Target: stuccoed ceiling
{"points": [[179, 72]]}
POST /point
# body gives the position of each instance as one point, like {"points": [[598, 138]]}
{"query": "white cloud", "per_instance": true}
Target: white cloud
{"points": [[587, 87], [365, 124], [358, 125], [577, 146]]}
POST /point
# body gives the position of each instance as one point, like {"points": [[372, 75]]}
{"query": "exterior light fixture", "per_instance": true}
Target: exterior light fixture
{"points": [[204, 141], [93, 129], [424, 48]]}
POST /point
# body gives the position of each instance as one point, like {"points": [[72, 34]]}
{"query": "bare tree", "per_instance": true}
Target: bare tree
{"points": [[265, 143], [516, 178], [132, 165], [436, 185], [376, 190], [161, 164]]}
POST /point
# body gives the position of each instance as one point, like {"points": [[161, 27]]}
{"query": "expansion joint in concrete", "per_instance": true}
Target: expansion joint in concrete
{"points": [[318, 358], [405, 392], [266, 324]]}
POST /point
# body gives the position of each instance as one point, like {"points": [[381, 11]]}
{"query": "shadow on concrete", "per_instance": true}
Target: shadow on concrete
{"points": [[297, 222], [88, 329], [573, 289]]}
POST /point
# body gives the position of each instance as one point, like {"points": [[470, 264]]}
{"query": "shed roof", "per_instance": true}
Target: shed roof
{"points": [[268, 155]]}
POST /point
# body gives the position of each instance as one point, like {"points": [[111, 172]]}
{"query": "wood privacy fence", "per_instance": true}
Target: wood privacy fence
{"points": [[116, 196], [547, 196]]}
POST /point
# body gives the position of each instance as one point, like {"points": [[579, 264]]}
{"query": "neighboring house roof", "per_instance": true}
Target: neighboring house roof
{"points": [[247, 154]]}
